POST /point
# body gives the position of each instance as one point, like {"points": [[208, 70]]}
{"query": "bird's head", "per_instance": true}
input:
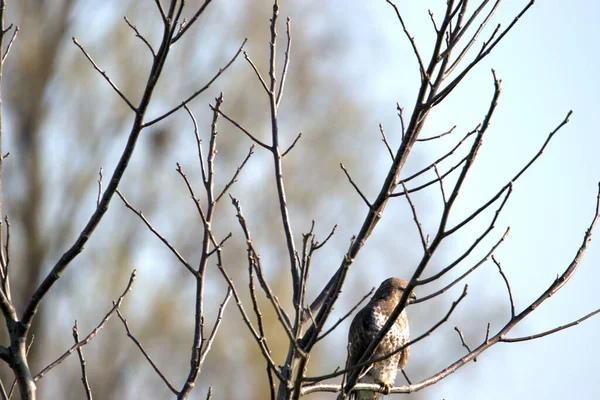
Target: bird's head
{"points": [[393, 288]]}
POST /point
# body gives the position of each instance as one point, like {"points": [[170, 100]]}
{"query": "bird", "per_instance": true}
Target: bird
{"points": [[364, 328]]}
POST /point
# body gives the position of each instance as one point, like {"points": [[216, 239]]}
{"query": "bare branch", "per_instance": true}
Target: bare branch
{"points": [[433, 22], [236, 174], [385, 141], [259, 339], [138, 35], [215, 329], [187, 26], [465, 50], [292, 145], [551, 331], [257, 72], [431, 182], [482, 54], [198, 144], [349, 313], [162, 11], [285, 63], [10, 43], [362, 196], [14, 383], [192, 194], [5, 263], [105, 76], [424, 75], [317, 245], [441, 182], [158, 235], [462, 340], [437, 136], [468, 272], [84, 377], [510, 295], [75, 249], [438, 161], [197, 92], [401, 117], [254, 260], [99, 187], [148, 358], [417, 222], [241, 128], [92, 334]]}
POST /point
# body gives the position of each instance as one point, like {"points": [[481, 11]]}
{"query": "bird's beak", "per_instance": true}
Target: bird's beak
{"points": [[412, 299]]}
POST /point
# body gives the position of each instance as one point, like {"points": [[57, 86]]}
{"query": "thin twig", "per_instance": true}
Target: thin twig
{"points": [[437, 136], [10, 43], [197, 92], [385, 141], [215, 329], [99, 188], [220, 245], [441, 181], [462, 339], [161, 10], [292, 145], [257, 72], [433, 22], [362, 196], [551, 331], [236, 174], [254, 259], [84, 377], [105, 76], [417, 222], [198, 144], [187, 26], [6, 261], [510, 295], [179, 169], [349, 313], [411, 39], [148, 358], [260, 340], [158, 235], [468, 272], [438, 161], [241, 128], [138, 35], [401, 117], [88, 338], [286, 62], [318, 245]]}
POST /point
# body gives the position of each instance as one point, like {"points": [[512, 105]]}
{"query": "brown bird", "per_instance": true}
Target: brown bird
{"points": [[365, 326]]}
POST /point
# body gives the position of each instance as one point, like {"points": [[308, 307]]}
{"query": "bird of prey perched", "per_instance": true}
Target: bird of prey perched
{"points": [[365, 326]]}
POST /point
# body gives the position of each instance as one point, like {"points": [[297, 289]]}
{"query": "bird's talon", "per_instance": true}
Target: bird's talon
{"points": [[387, 388]]}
